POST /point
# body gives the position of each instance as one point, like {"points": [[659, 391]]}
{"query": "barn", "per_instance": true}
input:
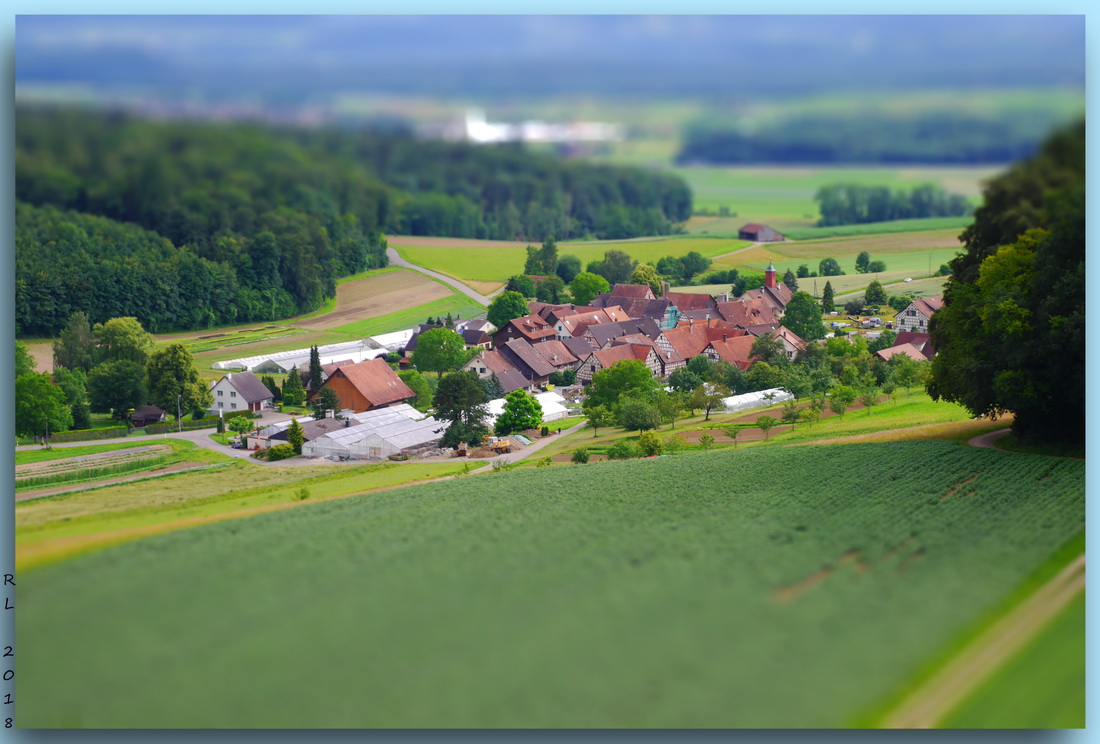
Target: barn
{"points": [[759, 233]]}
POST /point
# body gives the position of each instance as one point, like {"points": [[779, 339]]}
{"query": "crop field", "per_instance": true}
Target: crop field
{"points": [[958, 224], [783, 197], [86, 467], [714, 595], [495, 261], [377, 295], [49, 529]]}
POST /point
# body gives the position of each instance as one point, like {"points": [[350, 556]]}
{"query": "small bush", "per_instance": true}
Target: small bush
{"points": [[302, 493], [706, 441], [545, 431], [580, 456], [280, 452], [649, 443], [544, 462], [622, 450]]}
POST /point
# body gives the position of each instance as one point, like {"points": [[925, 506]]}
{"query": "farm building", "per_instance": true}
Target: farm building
{"points": [[759, 233], [757, 399], [917, 316], [406, 437], [238, 392], [285, 361], [336, 443], [366, 385]]}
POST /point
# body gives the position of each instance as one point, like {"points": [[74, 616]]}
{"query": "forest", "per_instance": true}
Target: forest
{"points": [[186, 225], [944, 138]]}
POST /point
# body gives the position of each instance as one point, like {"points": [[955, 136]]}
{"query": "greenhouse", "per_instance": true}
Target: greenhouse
{"points": [[757, 399], [337, 443], [399, 438]]}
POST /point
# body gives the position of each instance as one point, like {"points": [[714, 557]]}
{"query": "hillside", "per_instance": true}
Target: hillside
{"points": [[756, 588]]}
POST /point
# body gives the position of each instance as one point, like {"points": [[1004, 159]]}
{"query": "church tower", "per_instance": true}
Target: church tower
{"points": [[769, 276]]}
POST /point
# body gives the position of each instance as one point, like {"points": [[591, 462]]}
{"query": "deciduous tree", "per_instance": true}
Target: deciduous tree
{"points": [[439, 350], [504, 307], [460, 400], [521, 412], [173, 382], [117, 387], [585, 286], [75, 347], [766, 424], [40, 406], [122, 339]]}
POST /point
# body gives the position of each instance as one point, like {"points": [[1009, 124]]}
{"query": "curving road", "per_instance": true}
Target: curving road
{"points": [[396, 260]]}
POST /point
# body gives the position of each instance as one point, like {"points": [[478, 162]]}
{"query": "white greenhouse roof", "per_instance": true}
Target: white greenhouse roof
{"points": [[357, 351], [757, 399]]}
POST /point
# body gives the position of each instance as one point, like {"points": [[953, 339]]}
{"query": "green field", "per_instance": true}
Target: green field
{"points": [[783, 197], [490, 261], [458, 305], [1043, 686], [582, 600]]}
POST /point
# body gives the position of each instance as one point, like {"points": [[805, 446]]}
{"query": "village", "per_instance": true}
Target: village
{"points": [[551, 354]]}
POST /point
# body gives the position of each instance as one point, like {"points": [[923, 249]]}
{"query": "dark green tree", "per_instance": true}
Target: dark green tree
{"points": [[804, 317], [827, 304], [635, 415], [876, 267], [790, 281], [504, 307], [122, 339], [769, 349], [522, 284], [494, 389], [173, 383], [40, 406], [439, 350], [709, 397], [74, 383], [270, 384], [82, 416], [628, 377], [863, 261], [693, 263], [294, 393], [521, 412], [598, 415], [829, 267], [568, 268], [551, 290], [585, 286], [75, 347], [616, 267], [684, 380], [419, 385], [325, 401], [316, 374], [803, 271], [875, 295], [24, 362], [117, 387], [295, 437], [460, 400]]}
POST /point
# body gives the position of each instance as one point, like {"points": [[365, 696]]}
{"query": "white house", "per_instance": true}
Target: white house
{"points": [[238, 392], [915, 318]]}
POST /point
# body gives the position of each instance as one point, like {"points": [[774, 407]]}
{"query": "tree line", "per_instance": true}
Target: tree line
{"points": [[852, 204], [945, 137]]}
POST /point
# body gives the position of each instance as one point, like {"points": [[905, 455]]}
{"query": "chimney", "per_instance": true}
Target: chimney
{"points": [[723, 338], [691, 324]]}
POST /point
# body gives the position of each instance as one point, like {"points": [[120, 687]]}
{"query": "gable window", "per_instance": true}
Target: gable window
{"points": [[221, 393], [232, 405], [232, 394], [220, 404]]}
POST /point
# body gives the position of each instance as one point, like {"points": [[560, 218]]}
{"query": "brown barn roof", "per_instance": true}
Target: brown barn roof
{"points": [[735, 350], [691, 301], [746, 312], [922, 342], [556, 353], [641, 291], [531, 327], [375, 381], [526, 359], [906, 349], [689, 339]]}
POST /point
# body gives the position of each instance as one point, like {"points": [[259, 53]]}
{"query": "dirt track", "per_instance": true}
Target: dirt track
{"points": [[940, 695], [377, 295]]}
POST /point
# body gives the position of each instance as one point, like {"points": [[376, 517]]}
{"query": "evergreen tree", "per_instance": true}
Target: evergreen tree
{"points": [[827, 304], [293, 392], [295, 437], [789, 280], [315, 371], [460, 399], [75, 347]]}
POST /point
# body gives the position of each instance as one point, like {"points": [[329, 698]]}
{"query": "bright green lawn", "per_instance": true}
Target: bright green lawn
{"points": [[497, 262], [1043, 686]]}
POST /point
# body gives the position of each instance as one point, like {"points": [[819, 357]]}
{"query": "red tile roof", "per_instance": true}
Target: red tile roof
{"points": [[907, 349], [374, 379], [691, 301], [642, 291]]}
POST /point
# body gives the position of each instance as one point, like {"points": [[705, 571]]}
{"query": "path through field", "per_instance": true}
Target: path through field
{"points": [[944, 692], [926, 707], [396, 260]]}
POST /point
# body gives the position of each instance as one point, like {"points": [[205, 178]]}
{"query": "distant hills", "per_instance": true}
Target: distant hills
{"points": [[291, 60]]}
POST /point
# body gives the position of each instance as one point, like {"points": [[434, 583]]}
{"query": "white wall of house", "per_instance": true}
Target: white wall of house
{"points": [[227, 399]]}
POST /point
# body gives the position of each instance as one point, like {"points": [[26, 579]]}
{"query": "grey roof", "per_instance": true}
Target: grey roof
{"points": [[578, 346], [512, 380], [249, 387], [608, 331], [523, 355]]}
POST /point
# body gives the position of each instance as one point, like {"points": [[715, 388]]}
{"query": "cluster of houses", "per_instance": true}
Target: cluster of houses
{"points": [[631, 322], [628, 323]]}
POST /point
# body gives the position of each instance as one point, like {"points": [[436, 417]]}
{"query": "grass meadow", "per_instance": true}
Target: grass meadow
{"points": [[651, 593], [495, 261]]}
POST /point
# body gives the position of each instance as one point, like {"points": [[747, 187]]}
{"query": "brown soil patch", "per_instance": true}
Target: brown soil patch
{"points": [[98, 460], [42, 353], [954, 490], [40, 493], [794, 591], [373, 296], [453, 242]]}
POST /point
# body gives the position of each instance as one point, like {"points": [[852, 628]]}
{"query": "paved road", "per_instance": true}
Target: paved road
{"points": [[396, 260]]}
